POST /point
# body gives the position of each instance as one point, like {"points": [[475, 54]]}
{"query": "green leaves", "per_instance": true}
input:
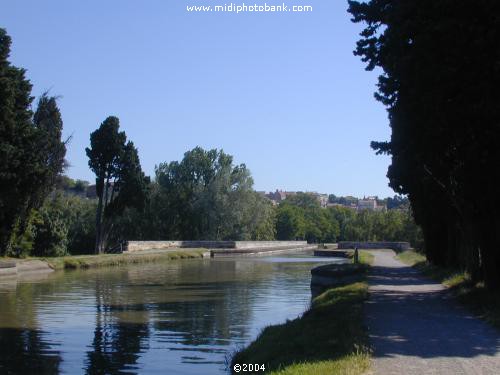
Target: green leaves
{"points": [[206, 196], [120, 182], [439, 83], [106, 148], [31, 149]]}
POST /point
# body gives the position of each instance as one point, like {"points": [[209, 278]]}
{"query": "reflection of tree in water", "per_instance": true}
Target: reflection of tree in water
{"points": [[199, 306], [208, 321], [216, 308], [116, 344], [190, 306], [23, 349], [221, 313]]}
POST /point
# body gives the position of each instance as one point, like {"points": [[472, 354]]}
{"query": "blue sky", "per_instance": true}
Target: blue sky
{"points": [[281, 92]]}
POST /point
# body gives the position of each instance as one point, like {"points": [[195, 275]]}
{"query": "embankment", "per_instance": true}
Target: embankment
{"points": [[329, 338], [15, 268], [135, 246], [220, 248], [18, 267], [110, 260], [396, 246]]}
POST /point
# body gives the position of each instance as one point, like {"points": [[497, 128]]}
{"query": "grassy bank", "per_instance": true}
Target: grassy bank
{"points": [[365, 257], [481, 301], [329, 338], [110, 260]]}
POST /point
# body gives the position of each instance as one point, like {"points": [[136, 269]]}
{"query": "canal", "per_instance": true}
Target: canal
{"points": [[178, 317]]}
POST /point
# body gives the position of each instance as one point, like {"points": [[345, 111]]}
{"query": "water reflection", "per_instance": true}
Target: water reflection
{"points": [[23, 347], [181, 317]]}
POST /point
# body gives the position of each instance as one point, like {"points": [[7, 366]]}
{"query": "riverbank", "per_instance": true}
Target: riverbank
{"points": [[484, 303], [329, 338], [21, 266], [12, 268], [112, 260]]}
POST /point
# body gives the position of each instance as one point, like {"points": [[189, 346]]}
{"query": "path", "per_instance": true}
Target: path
{"points": [[416, 328]]}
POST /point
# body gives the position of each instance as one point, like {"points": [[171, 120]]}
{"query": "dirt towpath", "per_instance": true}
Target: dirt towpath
{"points": [[416, 327]]}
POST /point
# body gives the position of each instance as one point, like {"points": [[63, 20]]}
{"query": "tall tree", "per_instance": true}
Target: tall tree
{"points": [[120, 182], [290, 223], [439, 83], [16, 135], [50, 150], [31, 149], [206, 196]]}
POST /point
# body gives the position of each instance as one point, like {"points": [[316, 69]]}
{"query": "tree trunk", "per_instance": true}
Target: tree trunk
{"points": [[99, 214], [98, 226], [490, 255], [103, 217]]}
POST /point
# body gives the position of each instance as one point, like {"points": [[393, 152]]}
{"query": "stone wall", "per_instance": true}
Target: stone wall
{"points": [[396, 246], [22, 267], [262, 250], [267, 244], [133, 246]]}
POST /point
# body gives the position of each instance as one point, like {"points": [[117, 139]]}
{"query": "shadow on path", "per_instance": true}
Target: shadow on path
{"points": [[416, 327]]}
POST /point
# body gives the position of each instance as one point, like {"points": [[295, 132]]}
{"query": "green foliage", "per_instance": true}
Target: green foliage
{"points": [[303, 200], [319, 226], [329, 336], [265, 222], [50, 149], [397, 202], [26, 176], [206, 196], [51, 230], [80, 186], [65, 224], [346, 201], [120, 182], [17, 140], [79, 215], [21, 241], [439, 72], [290, 223], [296, 220]]}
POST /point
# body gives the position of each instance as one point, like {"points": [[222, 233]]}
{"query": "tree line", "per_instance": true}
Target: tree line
{"points": [[301, 217], [31, 152], [439, 84], [204, 196]]}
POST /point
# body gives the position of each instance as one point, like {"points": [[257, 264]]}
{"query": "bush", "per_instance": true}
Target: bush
{"points": [[65, 224], [51, 233]]}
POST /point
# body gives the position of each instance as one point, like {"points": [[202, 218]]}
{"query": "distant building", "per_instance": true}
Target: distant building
{"points": [[367, 203], [322, 198], [370, 203], [280, 195]]}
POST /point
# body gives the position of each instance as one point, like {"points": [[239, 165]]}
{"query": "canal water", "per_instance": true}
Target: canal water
{"points": [[179, 317]]}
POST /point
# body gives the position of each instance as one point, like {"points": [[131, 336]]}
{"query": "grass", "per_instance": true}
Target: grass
{"points": [[110, 260], [449, 277], [366, 257], [410, 257], [329, 338], [483, 302]]}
